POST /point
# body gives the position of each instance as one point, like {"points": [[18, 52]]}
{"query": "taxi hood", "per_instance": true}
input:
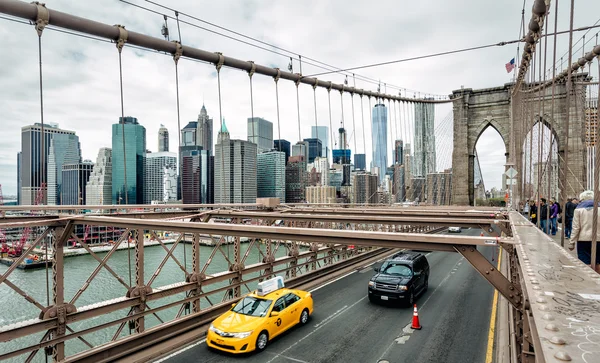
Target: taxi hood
{"points": [[232, 322]]}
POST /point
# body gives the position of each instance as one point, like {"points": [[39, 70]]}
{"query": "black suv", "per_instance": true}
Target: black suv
{"points": [[400, 278]]}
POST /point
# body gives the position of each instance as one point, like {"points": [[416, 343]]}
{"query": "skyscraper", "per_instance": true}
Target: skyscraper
{"points": [[188, 134], [315, 148], [64, 149], [128, 163], [424, 141], [365, 188], [99, 185], [271, 175], [284, 146], [154, 175], [360, 162], [300, 149], [235, 169], [197, 177], [260, 132], [398, 152], [296, 179], [342, 155], [204, 135], [322, 166], [379, 139], [321, 133], [163, 139], [74, 179], [33, 168]]}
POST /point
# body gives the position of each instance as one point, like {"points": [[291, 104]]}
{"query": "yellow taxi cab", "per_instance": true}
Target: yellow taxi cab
{"points": [[259, 317]]}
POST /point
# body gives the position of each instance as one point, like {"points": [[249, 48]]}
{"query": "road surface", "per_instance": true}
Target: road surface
{"points": [[346, 327]]}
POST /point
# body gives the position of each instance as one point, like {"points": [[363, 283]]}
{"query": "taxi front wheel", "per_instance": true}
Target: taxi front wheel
{"points": [[261, 341]]}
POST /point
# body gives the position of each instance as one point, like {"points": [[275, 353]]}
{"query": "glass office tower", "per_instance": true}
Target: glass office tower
{"points": [[130, 160]]}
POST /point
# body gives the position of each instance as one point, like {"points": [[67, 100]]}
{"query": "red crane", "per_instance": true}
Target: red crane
{"points": [[17, 249]]}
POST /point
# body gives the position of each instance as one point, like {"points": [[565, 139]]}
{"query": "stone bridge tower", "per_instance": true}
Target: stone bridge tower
{"points": [[512, 116]]}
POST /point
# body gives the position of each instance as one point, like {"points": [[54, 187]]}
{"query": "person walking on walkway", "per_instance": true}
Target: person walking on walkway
{"points": [[582, 230], [543, 215], [533, 212], [569, 210], [553, 216]]}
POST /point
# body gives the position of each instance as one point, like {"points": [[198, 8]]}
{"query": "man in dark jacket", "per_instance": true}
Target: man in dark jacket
{"points": [[569, 212], [544, 215], [533, 212]]}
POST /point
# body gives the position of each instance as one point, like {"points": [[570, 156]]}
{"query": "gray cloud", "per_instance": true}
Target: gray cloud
{"points": [[81, 83]]}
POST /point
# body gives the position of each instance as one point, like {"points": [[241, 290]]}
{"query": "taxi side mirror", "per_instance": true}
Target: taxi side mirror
{"points": [[233, 305], [274, 313]]}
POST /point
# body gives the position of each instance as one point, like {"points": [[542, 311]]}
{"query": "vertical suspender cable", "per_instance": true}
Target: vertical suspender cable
{"points": [[353, 121], [176, 57], [372, 146], [596, 184], [567, 118], [362, 115], [43, 151], [298, 108], [276, 79], [316, 122], [218, 67], [343, 147], [330, 122], [250, 74], [120, 44]]}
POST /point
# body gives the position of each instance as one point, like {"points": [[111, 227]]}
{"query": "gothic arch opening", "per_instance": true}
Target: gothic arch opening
{"points": [[540, 158], [489, 158]]}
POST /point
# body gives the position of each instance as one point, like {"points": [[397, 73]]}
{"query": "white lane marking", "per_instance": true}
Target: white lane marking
{"points": [[315, 330], [331, 316], [346, 275], [180, 351], [332, 281], [287, 357], [403, 341]]}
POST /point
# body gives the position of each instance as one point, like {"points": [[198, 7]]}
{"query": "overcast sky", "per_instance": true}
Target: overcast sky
{"points": [[81, 77]]}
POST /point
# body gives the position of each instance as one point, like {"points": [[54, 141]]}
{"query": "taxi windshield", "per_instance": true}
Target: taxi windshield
{"points": [[396, 269], [252, 306]]}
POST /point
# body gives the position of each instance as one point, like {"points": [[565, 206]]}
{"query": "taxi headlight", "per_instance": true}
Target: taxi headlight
{"points": [[402, 288], [212, 328], [242, 335], [371, 283]]}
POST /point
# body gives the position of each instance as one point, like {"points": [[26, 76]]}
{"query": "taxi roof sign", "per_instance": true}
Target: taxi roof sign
{"points": [[268, 286]]}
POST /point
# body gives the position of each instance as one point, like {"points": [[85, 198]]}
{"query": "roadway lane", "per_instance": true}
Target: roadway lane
{"points": [[346, 327]]}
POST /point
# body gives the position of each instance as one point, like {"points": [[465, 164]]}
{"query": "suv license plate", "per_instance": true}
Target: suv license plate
{"points": [[383, 297]]}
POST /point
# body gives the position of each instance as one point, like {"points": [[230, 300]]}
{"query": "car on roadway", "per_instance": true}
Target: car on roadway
{"points": [[454, 229], [400, 278], [258, 318]]}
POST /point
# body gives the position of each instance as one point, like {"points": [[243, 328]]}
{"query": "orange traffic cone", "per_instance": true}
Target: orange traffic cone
{"points": [[415, 320]]}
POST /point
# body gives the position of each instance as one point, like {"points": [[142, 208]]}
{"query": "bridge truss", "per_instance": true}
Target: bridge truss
{"points": [[317, 244]]}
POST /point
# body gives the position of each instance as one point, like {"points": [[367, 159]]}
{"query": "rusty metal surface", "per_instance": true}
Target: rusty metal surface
{"points": [[364, 218], [563, 295], [343, 237]]}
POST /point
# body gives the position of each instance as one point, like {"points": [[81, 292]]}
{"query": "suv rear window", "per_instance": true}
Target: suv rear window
{"points": [[396, 269]]}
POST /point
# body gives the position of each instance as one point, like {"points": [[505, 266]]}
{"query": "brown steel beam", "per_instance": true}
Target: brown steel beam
{"points": [[364, 218], [512, 292], [376, 210], [375, 239]]}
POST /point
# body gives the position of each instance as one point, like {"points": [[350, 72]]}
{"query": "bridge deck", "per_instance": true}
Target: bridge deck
{"points": [[564, 295]]}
